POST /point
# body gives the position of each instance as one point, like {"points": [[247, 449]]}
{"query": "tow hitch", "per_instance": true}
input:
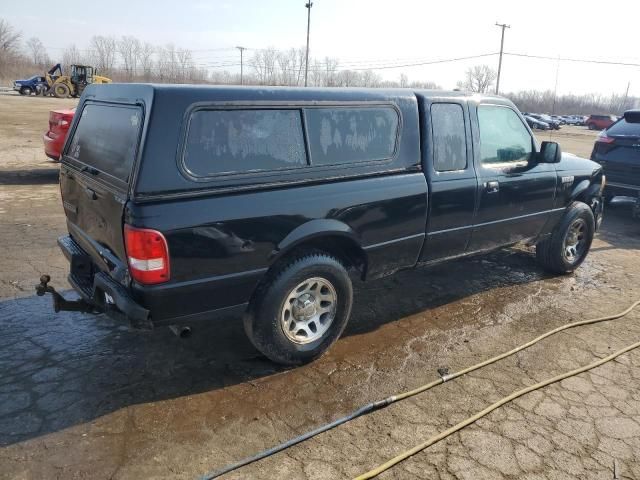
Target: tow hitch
{"points": [[59, 302]]}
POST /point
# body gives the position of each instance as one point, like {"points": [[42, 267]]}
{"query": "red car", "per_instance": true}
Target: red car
{"points": [[59, 123], [600, 122]]}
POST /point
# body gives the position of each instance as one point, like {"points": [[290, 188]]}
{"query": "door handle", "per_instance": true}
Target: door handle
{"points": [[492, 186]]}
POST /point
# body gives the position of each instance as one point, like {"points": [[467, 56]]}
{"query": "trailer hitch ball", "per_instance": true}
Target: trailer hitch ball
{"points": [[59, 302], [43, 286]]}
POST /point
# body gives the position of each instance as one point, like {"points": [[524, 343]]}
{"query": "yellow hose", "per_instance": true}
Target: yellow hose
{"points": [[484, 363], [403, 456], [395, 398]]}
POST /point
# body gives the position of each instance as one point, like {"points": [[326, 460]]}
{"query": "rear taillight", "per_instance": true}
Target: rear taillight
{"points": [[604, 143], [603, 138], [147, 255], [59, 119]]}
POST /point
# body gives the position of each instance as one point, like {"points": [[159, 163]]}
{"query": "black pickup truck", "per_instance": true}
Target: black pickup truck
{"points": [[186, 201]]}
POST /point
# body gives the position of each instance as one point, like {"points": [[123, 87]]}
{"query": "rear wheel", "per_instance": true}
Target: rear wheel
{"points": [[61, 90], [569, 244], [301, 309]]}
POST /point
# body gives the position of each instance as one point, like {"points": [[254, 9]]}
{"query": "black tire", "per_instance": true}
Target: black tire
{"points": [[263, 321], [552, 253], [608, 198], [25, 91], [591, 126], [61, 90]]}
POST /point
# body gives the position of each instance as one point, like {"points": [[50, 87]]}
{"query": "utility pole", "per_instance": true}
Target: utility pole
{"points": [[626, 97], [308, 6], [503, 26], [242, 49]]}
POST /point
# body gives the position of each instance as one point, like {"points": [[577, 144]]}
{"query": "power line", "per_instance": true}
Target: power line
{"points": [[567, 59], [430, 62]]}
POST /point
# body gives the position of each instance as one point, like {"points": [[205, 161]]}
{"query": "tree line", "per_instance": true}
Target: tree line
{"points": [[128, 59]]}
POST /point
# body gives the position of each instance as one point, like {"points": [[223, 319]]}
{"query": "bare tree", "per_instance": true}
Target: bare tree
{"points": [[129, 50], [168, 69], [316, 73], [71, 56], [9, 43], [330, 70], [546, 102], [479, 78], [348, 78], [426, 85], [145, 60], [264, 65], [103, 52], [185, 63], [370, 79], [37, 51]]}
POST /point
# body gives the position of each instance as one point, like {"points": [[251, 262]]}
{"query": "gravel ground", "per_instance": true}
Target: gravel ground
{"points": [[84, 397]]}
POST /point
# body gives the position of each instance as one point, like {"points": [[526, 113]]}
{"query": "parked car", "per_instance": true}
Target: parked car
{"points": [[573, 120], [59, 123], [30, 85], [599, 122], [559, 119], [536, 124], [617, 149], [553, 124], [183, 202]]}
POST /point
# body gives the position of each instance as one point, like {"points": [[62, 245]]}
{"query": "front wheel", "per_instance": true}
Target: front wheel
{"points": [[25, 91], [61, 90], [569, 244], [301, 309]]}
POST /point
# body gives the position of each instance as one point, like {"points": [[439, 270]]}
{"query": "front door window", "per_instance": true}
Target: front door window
{"points": [[504, 140]]}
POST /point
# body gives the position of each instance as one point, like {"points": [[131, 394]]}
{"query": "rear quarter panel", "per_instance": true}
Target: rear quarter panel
{"points": [[225, 243]]}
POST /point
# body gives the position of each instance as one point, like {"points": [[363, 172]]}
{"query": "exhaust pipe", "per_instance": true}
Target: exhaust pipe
{"points": [[180, 331]]}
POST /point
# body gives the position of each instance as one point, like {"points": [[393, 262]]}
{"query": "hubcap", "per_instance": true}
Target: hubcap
{"points": [[309, 310], [575, 241]]}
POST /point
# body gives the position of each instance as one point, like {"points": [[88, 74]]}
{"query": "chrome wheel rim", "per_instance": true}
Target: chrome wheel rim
{"points": [[575, 240], [309, 310]]}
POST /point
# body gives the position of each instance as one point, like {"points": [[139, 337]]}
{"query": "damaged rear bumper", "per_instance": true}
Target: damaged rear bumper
{"points": [[99, 293]]}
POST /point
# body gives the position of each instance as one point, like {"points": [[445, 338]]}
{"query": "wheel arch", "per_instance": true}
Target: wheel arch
{"points": [[580, 190], [589, 192], [328, 235]]}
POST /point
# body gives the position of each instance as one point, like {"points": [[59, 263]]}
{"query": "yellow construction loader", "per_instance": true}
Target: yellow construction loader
{"points": [[63, 86]]}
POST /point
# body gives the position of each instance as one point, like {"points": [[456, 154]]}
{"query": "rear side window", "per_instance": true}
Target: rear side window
{"points": [[237, 141], [106, 138], [449, 138], [349, 135], [624, 128]]}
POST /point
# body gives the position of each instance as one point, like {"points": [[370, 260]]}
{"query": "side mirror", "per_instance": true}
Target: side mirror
{"points": [[550, 152]]}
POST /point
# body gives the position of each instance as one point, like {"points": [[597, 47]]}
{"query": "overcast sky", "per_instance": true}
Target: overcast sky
{"points": [[373, 32]]}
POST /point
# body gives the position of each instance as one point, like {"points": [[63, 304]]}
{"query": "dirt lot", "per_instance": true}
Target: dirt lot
{"points": [[84, 397]]}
